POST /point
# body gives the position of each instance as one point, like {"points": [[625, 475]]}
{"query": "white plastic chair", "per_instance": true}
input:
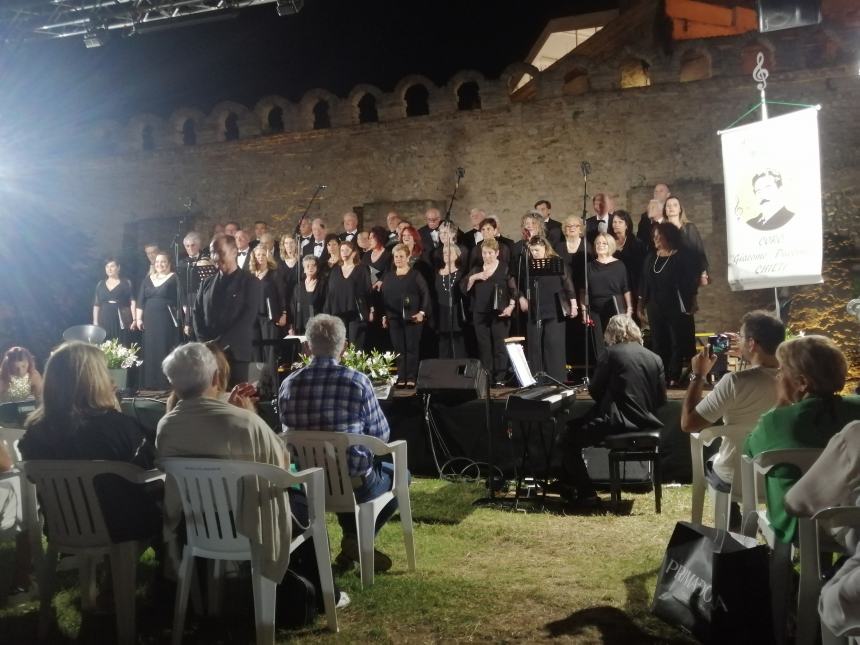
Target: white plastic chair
{"points": [[328, 450], [722, 501], [212, 505], [27, 512], [753, 472], [75, 525]]}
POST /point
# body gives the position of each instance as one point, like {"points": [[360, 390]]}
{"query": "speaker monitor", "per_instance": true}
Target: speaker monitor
{"points": [[786, 14], [452, 380]]}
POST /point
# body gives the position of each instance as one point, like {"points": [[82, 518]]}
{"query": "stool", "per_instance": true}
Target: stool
{"points": [[634, 446]]}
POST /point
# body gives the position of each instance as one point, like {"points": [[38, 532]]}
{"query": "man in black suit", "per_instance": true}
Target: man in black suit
{"points": [[601, 221], [628, 388], [473, 237], [430, 232], [392, 220], [243, 250], [305, 236], [767, 187], [350, 228], [261, 227], [654, 214], [226, 308], [490, 231], [316, 246], [551, 226], [188, 277]]}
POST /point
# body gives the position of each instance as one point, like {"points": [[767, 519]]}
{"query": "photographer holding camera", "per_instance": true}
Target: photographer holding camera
{"points": [[739, 398]]}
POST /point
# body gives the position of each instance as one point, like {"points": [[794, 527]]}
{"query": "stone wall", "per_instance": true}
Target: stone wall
{"points": [[516, 148]]}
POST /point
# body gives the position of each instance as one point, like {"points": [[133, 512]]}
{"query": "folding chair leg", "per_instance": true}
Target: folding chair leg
{"points": [[722, 509], [47, 579], [123, 567], [264, 605], [215, 585], [87, 570], [366, 535], [404, 506], [323, 556], [614, 479], [186, 579], [657, 481]]}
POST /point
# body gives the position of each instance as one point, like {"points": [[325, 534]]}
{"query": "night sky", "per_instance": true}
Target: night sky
{"points": [[334, 44]]}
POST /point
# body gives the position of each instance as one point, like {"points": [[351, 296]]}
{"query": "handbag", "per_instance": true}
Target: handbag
{"points": [[715, 585]]}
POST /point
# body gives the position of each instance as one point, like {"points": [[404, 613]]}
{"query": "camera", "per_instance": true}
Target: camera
{"points": [[718, 344]]}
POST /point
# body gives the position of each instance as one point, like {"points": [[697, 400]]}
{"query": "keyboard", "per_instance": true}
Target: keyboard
{"points": [[538, 402]]}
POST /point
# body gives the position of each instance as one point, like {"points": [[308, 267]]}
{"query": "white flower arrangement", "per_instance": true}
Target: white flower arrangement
{"points": [[119, 356], [376, 365]]}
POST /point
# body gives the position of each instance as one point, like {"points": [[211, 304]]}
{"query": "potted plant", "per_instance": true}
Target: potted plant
{"points": [[377, 366], [119, 358]]}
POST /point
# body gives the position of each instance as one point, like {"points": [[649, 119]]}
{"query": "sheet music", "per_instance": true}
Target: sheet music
{"points": [[521, 366]]}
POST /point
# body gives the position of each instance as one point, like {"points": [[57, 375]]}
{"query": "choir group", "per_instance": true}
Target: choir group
{"points": [[437, 290]]}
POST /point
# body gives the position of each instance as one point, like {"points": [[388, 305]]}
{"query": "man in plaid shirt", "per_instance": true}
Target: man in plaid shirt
{"points": [[326, 395]]}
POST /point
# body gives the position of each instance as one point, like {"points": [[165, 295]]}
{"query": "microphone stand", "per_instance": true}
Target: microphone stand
{"points": [[459, 174], [586, 169], [180, 225], [298, 237]]}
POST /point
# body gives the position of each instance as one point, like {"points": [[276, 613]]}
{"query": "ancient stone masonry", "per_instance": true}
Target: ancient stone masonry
{"points": [[639, 115]]}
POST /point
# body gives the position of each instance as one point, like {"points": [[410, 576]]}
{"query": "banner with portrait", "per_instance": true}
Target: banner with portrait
{"points": [[772, 172]]}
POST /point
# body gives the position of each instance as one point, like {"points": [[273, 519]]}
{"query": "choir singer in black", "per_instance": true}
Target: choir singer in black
{"points": [[226, 307]]}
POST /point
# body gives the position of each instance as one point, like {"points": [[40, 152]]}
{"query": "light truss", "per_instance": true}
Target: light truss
{"points": [[92, 18]]}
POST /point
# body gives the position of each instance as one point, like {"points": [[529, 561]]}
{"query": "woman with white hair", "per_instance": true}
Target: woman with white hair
{"points": [[608, 288]]}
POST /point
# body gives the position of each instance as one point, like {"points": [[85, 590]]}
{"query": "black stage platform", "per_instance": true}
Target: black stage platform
{"points": [[461, 429]]}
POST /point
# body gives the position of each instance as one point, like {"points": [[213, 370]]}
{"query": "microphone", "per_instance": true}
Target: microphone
{"points": [[461, 172], [586, 168], [322, 187]]}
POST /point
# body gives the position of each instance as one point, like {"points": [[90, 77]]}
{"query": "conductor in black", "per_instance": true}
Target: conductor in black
{"points": [[226, 307]]}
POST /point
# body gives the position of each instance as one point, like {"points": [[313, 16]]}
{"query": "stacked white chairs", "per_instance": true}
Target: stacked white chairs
{"points": [[211, 495], [75, 525], [328, 450]]}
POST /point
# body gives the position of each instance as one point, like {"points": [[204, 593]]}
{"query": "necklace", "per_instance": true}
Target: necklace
{"points": [[660, 270]]}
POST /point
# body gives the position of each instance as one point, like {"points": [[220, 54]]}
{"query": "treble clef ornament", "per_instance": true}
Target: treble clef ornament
{"points": [[760, 72]]}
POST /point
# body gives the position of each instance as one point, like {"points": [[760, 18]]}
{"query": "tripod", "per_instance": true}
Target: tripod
{"points": [[459, 174]]}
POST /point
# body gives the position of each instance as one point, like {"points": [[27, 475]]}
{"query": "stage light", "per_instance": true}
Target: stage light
{"points": [[289, 7], [93, 39]]}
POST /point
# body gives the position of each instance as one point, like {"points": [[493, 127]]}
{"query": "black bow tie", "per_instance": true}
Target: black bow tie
{"points": [[318, 243], [242, 253]]}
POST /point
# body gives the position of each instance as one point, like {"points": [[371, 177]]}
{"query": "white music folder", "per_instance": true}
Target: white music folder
{"points": [[521, 366]]}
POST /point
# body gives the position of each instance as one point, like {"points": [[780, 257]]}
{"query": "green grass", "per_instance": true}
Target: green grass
{"points": [[484, 574]]}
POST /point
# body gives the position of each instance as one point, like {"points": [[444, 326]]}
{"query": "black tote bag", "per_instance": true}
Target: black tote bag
{"points": [[715, 585]]}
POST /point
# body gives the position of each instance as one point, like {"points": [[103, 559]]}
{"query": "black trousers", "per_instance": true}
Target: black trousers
{"points": [[582, 433], [546, 350], [447, 340], [672, 338], [490, 333], [406, 338], [356, 330]]}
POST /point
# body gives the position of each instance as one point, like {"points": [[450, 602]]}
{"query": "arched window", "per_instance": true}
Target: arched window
{"points": [[695, 66], [417, 101], [523, 88], [469, 96], [275, 119], [575, 82], [367, 112], [634, 73], [147, 140], [231, 127], [322, 119], [189, 133]]}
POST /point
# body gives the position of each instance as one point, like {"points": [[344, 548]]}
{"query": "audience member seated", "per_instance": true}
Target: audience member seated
{"points": [[628, 388], [809, 411], [833, 480], [325, 395], [80, 418], [203, 425], [19, 378], [739, 398], [21, 587], [839, 604]]}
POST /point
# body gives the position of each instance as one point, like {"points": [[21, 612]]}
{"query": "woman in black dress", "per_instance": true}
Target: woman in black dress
{"points": [[608, 289], [349, 294], [629, 249], [377, 259], [114, 304], [553, 300], [449, 304], [492, 295], [288, 268], [406, 301], [331, 256], [573, 250], [674, 212], [272, 316], [308, 297], [158, 317], [670, 280]]}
